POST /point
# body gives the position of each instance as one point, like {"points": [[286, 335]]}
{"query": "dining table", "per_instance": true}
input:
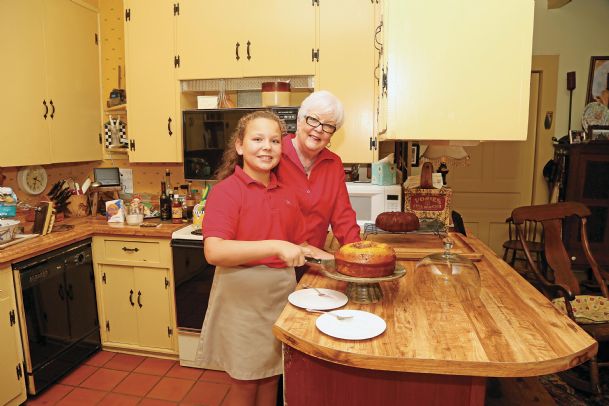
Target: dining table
{"points": [[431, 351]]}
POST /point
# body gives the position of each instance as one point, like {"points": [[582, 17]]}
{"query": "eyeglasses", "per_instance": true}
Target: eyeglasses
{"points": [[327, 128]]}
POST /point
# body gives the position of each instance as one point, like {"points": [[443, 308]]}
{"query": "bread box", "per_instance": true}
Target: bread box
{"points": [[429, 204]]}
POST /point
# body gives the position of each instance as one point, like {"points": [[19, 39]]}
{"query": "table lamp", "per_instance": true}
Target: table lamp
{"points": [[443, 155]]}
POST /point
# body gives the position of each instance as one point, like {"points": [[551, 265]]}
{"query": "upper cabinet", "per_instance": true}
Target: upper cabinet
{"points": [[152, 88], [458, 70], [53, 111], [231, 38], [346, 67]]}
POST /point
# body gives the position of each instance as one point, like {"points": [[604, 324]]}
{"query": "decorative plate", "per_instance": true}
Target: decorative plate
{"points": [[595, 113]]}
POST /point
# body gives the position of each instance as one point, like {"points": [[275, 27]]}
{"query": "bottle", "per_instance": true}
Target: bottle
{"points": [[168, 181], [190, 201], [164, 204], [176, 210]]}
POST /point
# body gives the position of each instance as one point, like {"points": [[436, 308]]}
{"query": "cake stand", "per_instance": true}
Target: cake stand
{"points": [[363, 290]]}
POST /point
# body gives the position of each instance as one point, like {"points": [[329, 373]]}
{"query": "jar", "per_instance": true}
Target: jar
{"points": [[135, 214], [275, 94]]}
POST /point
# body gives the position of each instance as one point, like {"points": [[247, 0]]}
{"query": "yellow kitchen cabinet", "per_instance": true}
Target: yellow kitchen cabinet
{"points": [[346, 68], [52, 85], [12, 389], [231, 38], [152, 90], [135, 294], [458, 70]]}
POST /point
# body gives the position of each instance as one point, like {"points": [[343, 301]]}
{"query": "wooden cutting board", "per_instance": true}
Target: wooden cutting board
{"points": [[412, 246]]}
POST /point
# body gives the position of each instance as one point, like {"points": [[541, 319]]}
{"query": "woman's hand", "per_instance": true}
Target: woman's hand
{"points": [[317, 253], [291, 254]]}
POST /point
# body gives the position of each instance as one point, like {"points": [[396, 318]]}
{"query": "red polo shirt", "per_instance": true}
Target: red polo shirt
{"points": [[240, 208], [322, 197]]}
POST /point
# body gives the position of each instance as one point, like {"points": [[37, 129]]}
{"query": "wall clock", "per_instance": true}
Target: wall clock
{"points": [[32, 179]]}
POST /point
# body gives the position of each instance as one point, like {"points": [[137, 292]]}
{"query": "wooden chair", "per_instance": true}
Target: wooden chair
{"points": [[512, 248], [590, 312]]}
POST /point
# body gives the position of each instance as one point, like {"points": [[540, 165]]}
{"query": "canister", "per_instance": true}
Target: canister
{"points": [[275, 94]]}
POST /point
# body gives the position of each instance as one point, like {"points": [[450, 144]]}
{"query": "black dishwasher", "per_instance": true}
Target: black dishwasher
{"points": [[58, 312]]}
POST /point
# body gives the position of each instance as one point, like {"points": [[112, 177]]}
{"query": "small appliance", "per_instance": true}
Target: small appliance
{"points": [[370, 200]]}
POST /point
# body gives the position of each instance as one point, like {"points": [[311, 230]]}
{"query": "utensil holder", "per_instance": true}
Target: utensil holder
{"points": [[79, 206]]}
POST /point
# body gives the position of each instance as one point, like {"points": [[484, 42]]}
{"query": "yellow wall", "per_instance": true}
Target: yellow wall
{"points": [[575, 32]]}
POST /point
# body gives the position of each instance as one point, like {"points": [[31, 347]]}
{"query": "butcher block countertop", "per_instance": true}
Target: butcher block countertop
{"points": [[84, 227], [511, 330]]}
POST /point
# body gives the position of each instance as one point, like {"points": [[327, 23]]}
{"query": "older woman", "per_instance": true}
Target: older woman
{"points": [[316, 174]]}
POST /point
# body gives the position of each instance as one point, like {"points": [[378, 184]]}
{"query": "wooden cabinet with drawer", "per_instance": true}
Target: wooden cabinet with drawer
{"points": [[135, 294]]}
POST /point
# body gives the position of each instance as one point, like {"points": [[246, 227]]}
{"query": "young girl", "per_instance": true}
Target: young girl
{"points": [[254, 234]]}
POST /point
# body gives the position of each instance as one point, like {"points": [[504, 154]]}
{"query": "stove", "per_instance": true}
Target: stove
{"points": [[187, 233]]}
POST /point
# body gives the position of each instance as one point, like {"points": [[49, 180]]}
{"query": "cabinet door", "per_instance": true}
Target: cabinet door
{"points": [[343, 40], [73, 81], [281, 37], [118, 303], [151, 85], [10, 349], [459, 70], [207, 34], [25, 130], [153, 303]]}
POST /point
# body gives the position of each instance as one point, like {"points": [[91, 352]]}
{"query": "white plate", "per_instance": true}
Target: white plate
{"points": [[309, 299], [361, 326]]}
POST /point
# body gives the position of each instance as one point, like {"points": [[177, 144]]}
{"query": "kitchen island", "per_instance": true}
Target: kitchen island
{"points": [[431, 352]]}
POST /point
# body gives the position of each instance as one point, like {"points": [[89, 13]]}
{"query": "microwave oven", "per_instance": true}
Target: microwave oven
{"points": [[370, 200], [205, 134]]}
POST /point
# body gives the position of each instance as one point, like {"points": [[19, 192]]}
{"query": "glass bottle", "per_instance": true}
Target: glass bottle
{"points": [[168, 181], [176, 210], [190, 201], [164, 203]]}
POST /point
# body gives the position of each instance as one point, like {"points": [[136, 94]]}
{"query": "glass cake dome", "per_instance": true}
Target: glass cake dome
{"points": [[445, 277]]}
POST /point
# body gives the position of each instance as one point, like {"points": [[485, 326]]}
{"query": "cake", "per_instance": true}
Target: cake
{"points": [[365, 259], [396, 221]]}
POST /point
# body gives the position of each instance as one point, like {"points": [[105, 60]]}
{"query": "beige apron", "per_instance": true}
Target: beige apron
{"points": [[237, 335]]}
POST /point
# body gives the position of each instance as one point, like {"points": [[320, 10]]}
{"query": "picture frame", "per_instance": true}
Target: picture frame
{"points": [[576, 137], [598, 133], [598, 77], [415, 151]]}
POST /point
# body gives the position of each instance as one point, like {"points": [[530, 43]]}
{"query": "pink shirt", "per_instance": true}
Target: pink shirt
{"points": [[322, 197], [240, 208]]}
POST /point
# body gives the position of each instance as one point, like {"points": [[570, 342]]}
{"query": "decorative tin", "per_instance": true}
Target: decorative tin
{"points": [[429, 203]]}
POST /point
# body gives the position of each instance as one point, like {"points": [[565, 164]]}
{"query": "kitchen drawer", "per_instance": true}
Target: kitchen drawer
{"points": [[138, 252]]}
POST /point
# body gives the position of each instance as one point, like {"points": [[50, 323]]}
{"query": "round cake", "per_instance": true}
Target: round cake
{"points": [[365, 259]]}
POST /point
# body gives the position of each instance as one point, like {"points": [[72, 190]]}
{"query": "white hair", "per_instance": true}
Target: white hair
{"points": [[323, 102]]}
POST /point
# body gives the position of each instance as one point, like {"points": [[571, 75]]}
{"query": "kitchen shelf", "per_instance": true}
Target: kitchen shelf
{"points": [[120, 107]]}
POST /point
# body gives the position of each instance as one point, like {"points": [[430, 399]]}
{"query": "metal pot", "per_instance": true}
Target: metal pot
{"points": [[8, 229]]}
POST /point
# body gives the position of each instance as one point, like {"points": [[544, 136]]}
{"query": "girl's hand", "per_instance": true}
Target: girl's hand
{"points": [[292, 254]]}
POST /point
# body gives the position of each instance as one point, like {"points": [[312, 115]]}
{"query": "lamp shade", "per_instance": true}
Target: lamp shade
{"points": [[453, 155]]}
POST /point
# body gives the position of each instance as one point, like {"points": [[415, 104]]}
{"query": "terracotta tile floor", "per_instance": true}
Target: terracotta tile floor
{"points": [[111, 379]]}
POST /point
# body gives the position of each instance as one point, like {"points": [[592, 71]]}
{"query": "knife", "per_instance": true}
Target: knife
{"points": [[327, 263]]}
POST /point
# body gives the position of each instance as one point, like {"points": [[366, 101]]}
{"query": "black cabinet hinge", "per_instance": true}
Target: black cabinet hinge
{"points": [[314, 55], [104, 278], [176, 61], [11, 317], [166, 283], [169, 331], [107, 325], [372, 143], [96, 39], [128, 14], [100, 138], [384, 80], [19, 372], [176, 9], [131, 145]]}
